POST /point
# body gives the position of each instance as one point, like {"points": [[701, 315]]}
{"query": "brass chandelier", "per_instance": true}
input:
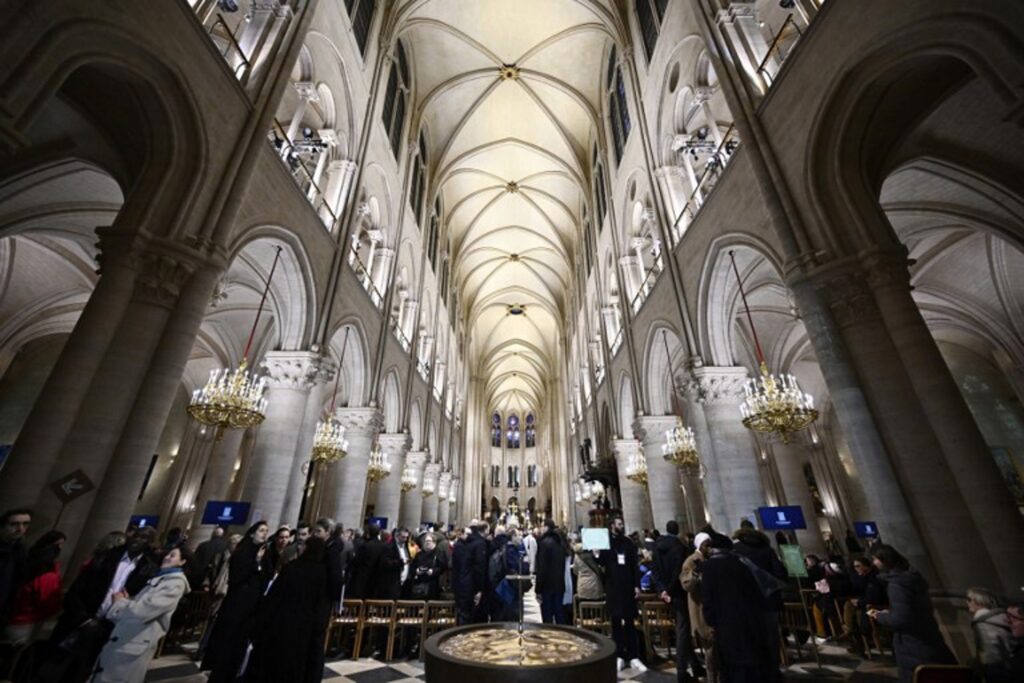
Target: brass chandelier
{"points": [[408, 479], [234, 399], [636, 468], [773, 403], [329, 444], [680, 447], [380, 466]]}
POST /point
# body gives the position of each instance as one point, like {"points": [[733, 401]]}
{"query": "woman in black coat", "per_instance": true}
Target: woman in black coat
{"points": [[426, 570], [249, 572], [292, 619], [916, 636]]}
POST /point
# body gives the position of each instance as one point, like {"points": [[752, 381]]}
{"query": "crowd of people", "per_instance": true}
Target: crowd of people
{"points": [[270, 593]]}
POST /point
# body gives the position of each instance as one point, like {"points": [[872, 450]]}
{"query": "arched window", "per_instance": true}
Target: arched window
{"points": [[512, 435], [419, 182], [496, 431], [600, 205], [531, 431], [432, 234], [531, 476], [361, 13], [649, 14], [588, 246], [395, 98], [618, 111]]}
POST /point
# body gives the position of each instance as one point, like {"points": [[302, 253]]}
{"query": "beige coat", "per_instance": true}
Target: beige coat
{"points": [[691, 584], [139, 624]]}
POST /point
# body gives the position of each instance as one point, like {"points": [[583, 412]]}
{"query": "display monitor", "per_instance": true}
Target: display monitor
{"points": [[144, 520], [226, 512], [866, 529], [785, 517]]}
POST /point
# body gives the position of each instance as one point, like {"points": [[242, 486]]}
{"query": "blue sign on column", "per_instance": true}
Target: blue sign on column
{"points": [[786, 517], [866, 529], [144, 520], [226, 512]]}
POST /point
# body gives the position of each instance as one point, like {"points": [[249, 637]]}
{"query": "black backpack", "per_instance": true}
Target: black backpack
{"points": [[496, 568]]}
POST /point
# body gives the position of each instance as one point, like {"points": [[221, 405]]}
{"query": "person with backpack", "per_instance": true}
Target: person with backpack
{"points": [[551, 575], [755, 547], [507, 558]]}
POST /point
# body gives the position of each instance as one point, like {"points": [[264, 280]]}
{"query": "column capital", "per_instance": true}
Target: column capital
{"points": [[432, 471], [624, 448], [416, 459], [710, 385], [849, 297], [702, 94], [394, 444], [306, 90], [628, 260], [329, 136], [365, 422], [291, 369], [650, 429]]}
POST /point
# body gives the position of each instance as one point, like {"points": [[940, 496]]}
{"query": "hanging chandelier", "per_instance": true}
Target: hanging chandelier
{"points": [[408, 479], [427, 490], [442, 491], [773, 403], [234, 399], [380, 466], [329, 444], [636, 468], [680, 447]]}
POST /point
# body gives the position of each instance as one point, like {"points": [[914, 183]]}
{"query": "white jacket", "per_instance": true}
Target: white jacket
{"points": [[139, 624]]}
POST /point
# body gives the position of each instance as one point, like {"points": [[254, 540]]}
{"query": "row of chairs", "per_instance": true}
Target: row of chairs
{"points": [[656, 620], [396, 617]]}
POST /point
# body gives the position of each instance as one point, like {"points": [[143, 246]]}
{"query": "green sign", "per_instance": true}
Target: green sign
{"points": [[794, 561]]}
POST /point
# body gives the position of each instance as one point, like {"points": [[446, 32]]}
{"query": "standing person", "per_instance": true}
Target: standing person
{"points": [[691, 580], [140, 622], [469, 575], [755, 546], [296, 547], [530, 543], [916, 637], [206, 553], [403, 544], [866, 591], [993, 640], [13, 556], [338, 557], [377, 569], [621, 567], [551, 575], [669, 555], [589, 577], [249, 572], [39, 597], [732, 605], [281, 540], [293, 619], [430, 564]]}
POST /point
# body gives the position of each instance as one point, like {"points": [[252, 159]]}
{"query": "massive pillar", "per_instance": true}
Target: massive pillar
{"points": [[663, 477], [291, 375], [732, 479], [412, 500], [389, 489], [790, 460], [636, 512], [323, 381], [346, 492], [219, 469], [443, 488]]}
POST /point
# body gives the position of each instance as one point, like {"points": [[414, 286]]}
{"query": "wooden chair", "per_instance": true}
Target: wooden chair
{"points": [[377, 614], [593, 617], [793, 619], [439, 616], [349, 617], [657, 617], [943, 673], [188, 621], [408, 614]]}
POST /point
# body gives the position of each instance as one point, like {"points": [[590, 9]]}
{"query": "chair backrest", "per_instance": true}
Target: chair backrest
{"points": [[378, 610], [410, 609], [351, 611], [441, 611], [592, 614], [942, 673]]}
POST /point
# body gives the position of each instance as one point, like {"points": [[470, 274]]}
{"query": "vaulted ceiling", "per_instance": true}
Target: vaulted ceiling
{"points": [[509, 96]]}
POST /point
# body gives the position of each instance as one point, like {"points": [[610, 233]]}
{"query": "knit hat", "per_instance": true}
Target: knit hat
{"points": [[702, 537]]}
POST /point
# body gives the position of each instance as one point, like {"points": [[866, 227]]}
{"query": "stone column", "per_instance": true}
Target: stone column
{"points": [[219, 469], [733, 479], [989, 501], [628, 263], [346, 494], [291, 375], [790, 459], [28, 468], [442, 503], [674, 191], [323, 378], [382, 267], [330, 139], [412, 501], [432, 473], [264, 21], [663, 477], [408, 317], [389, 489], [339, 185], [636, 512]]}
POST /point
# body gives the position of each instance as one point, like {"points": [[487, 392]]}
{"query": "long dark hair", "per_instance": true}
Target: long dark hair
{"points": [[889, 557], [42, 556]]}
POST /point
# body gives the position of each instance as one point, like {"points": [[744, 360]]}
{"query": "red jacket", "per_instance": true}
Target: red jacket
{"points": [[39, 599]]}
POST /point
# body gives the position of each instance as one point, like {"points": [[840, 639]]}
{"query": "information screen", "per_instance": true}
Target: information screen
{"points": [[595, 539], [226, 512], [865, 529], [144, 520], [785, 517]]}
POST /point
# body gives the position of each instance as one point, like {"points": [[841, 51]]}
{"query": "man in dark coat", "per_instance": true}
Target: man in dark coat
{"points": [[551, 575], [206, 553], [621, 566], [732, 605], [13, 558], [469, 575], [669, 555], [376, 568], [755, 546]]}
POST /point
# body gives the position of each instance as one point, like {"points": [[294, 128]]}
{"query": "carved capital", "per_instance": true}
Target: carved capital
{"points": [[703, 93], [161, 277], [650, 429], [416, 460], [361, 422], [291, 369], [394, 445], [307, 91], [710, 385]]}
